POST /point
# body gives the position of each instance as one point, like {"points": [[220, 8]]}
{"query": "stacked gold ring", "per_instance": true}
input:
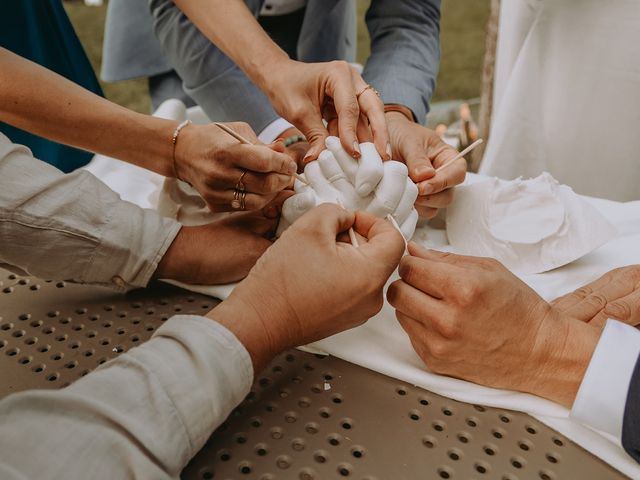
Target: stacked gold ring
{"points": [[239, 194], [368, 87]]}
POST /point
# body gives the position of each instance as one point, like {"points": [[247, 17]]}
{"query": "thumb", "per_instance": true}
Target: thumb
{"points": [[415, 156], [385, 242], [314, 130]]}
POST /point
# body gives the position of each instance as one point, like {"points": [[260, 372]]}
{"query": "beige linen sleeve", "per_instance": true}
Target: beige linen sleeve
{"points": [[73, 227], [142, 415]]}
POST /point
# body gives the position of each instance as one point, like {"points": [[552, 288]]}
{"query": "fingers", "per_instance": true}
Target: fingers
{"points": [[405, 205], [259, 158], [577, 296], [409, 300], [431, 277], [390, 190], [596, 299], [372, 108], [625, 309], [414, 154], [384, 242], [347, 163], [342, 91], [452, 258], [438, 200], [327, 221], [370, 170], [451, 176], [273, 209], [262, 183]]}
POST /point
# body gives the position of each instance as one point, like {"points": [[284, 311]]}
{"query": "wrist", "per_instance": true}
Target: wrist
{"points": [[264, 71], [397, 112], [563, 350], [248, 326]]}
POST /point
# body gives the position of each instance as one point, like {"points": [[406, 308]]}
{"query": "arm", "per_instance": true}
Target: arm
{"points": [[405, 53], [299, 92], [42, 102], [131, 418]]}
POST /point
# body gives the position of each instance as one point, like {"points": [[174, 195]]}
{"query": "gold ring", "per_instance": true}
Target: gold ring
{"points": [[238, 202], [240, 185], [368, 87]]}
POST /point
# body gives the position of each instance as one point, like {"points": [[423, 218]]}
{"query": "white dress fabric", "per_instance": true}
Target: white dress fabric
{"points": [[567, 95], [381, 344]]}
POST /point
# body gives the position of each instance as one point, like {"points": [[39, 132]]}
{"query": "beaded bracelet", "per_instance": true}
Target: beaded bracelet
{"points": [[294, 139], [174, 140]]}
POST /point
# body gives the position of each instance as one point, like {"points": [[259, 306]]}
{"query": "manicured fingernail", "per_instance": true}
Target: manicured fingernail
{"points": [[364, 189], [389, 152], [356, 149]]}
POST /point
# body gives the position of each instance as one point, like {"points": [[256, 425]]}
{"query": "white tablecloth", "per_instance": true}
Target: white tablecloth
{"points": [[382, 345]]}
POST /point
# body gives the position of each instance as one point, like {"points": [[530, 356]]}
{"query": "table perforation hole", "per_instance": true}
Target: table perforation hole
{"points": [[424, 401], [44, 348], [558, 442], [23, 281], [224, 455], [290, 417], [472, 422], [321, 456], [525, 445], [52, 377], [447, 411], [207, 475], [346, 423], [89, 353], [324, 412], [308, 367], [276, 433], [48, 330], [490, 450], [344, 469], [298, 444], [92, 334], [271, 407], [53, 313], [498, 433], [36, 323], [334, 440], [401, 391], [551, 457], [78, 327], [463, 437], [297, 380], [6, 326], [7, 290], [245, 468], [62, 337], [64, 320], [3, 343], [518, 462], [25, 360], [71, 365], [34, 287], [60, 285], [24, 316], [12, 352], [454, 454], [311, 428], [481, 467], [504, 418], [546, 475], [18, 333], [57, 356], [531, 429], [445, 472], [261, 449], [438, 426], [74, 345], [240, 438], [283, 462], [337, 398], [414, 415], [38, 368]]}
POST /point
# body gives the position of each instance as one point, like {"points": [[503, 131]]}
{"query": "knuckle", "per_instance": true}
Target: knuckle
{"points": [[582, 293], [597, 300], [439, 349], [466, 293], [621, 309]]}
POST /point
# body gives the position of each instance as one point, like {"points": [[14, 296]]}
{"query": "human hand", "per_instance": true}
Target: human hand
{"points": [[470, 318], [304, 93], [213, 162], [368, 184], [615, 295], [423, 151], [309, 285], [222, 251]]}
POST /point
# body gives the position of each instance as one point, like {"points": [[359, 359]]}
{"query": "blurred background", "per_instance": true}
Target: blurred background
{"points": [[460, 78]]}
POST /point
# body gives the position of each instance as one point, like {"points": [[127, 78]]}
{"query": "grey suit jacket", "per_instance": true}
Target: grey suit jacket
{"points": [[631, 421], [403, 64]]}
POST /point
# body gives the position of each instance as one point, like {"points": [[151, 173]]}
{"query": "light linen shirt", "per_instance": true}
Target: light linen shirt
{"points": [[142, 415], [74, 226]]}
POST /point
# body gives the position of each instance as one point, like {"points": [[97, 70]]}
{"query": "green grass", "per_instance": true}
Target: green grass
{"points": [[462, 43]]}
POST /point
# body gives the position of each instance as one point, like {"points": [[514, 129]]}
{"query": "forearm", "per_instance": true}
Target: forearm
{"points": [[44, 103], [130, 417], [232, 28], [73, 227]]}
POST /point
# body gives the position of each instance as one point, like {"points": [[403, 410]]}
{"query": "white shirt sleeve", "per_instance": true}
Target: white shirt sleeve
{"points": [[273, 130], [143, 414], [602, 395]]}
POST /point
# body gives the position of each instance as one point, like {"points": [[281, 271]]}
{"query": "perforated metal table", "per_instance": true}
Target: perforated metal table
{"points": [[307, 417]]}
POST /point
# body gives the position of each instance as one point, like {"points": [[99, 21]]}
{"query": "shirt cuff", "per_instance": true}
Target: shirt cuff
{"points": [[273, 130], [602, 395]]}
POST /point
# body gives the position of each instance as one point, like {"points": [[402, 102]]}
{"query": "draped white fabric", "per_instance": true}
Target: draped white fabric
{"points": [[567, 95]]}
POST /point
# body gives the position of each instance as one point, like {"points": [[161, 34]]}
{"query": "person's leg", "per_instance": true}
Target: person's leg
{"points": [[167, 85]]}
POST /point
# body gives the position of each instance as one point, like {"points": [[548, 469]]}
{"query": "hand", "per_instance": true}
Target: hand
{"points": [[614, 295], [423, 151], [470, 318], [305, 92], [220, 252], [212, 162], [309, 285]]}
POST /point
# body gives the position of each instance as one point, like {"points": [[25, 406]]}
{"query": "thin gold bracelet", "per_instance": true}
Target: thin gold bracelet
{"points": [[174, 140]]}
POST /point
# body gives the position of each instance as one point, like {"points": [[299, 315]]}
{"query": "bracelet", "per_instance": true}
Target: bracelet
{"points": [[294, 139], [392, 107], [174, 140]]}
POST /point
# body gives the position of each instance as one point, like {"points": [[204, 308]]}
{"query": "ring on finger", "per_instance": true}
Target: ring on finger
{"points": [[240, 186], [238, 199], [367, 87]]}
